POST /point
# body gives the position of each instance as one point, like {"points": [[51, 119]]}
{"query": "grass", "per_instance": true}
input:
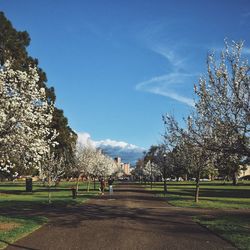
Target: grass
{"points": [[212, 194], [14, 194], [14, 228], [235, 229]]}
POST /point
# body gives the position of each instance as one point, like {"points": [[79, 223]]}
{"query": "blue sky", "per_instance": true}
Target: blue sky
{"points": [[117, 66]]}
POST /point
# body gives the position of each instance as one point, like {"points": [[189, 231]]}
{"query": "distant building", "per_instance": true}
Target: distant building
{"points": [[126, 168], [118, 161]]}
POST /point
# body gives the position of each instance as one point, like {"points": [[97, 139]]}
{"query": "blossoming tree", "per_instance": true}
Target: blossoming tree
{"points": [[92, 163], [25, 116]]}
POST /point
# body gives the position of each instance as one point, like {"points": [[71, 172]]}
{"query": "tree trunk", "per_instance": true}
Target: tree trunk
{"points": [[88, 185], [197, 188], [165, 180], [94, 184], [235, 178], [49, 191], [185, 177], [77, 183], [165, 186]]}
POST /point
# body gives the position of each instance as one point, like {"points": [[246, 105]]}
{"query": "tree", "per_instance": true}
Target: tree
{"points": [[53, 168], [13, 46], [224, 105], [193, 142], [92, 163], [180, 162], [138, 170], [162, 162], [85, 160], [66, 138], [25, 118]]}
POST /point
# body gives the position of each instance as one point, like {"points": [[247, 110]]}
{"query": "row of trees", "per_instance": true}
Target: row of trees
{"points": [[215, 138], [92, 163]]}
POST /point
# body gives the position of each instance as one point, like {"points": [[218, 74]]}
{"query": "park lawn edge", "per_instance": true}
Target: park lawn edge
{"points": [[205, 202], [34, 223], [29, 224], [241, 241]]}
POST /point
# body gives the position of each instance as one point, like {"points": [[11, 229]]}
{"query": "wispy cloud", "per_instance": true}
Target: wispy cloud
{"points": [[169, 54], [161, 85], [170, 84]]}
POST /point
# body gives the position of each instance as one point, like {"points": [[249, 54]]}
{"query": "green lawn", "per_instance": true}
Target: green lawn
{"points": [[14, 228], [212, 194], [14, 194], [236, 229]]}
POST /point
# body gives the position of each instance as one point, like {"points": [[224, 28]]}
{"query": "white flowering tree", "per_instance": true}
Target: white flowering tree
{"points": [[193, 143], [217, 133], [25, 116], [92, 163], [224, 105], [53, 168], [85, 162]]}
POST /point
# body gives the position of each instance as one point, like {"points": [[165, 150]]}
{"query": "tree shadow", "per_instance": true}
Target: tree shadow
{"points": [[17, 245], [220, 193]]}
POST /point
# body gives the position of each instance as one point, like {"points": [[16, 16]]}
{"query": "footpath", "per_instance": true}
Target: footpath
{"points": [[131, 218]]}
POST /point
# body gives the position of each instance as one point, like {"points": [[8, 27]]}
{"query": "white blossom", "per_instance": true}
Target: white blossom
{"points": [[25, 118]]}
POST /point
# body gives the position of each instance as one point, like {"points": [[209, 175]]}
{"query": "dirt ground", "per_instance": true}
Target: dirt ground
{"points": [[131, 218], [7, 226]]}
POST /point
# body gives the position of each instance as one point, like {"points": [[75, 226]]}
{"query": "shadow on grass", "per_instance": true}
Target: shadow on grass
{"points": [[183, 184], [42, 202], [16, 245], [206, 192], [42, 190]]}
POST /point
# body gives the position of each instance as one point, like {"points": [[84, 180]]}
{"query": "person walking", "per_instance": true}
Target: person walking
{"points": [[102, 185], [110, 182]]}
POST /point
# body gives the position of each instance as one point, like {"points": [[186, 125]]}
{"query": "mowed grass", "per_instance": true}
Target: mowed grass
{"points": [[212, 194], [14, 194], [235, 229], [14, 228], [215, 195]]}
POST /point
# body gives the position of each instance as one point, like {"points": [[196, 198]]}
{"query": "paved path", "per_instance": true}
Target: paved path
{"points": [[131, 219]]}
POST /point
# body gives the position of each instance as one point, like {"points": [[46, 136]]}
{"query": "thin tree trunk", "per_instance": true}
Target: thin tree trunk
{"points": [[88, 185], [235, 178], [165, 186], [197, 188], [49, 190], [77, 183]]}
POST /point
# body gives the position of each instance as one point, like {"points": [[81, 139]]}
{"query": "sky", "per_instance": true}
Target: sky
{"points": [[118, 66]]}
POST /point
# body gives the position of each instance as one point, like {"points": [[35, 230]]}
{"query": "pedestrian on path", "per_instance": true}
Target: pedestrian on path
{"points": [[102, 185], [110, 182]]}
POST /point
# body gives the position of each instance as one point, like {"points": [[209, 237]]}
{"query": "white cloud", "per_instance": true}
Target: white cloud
{"points": [[127, 152], [113, 143], [84, 139]]}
